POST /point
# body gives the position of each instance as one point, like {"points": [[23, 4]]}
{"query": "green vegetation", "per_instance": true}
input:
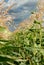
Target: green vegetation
{"points": [[26, 47]]}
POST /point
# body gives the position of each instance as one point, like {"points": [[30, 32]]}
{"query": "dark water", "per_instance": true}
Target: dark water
{"points": [[21, 13]]}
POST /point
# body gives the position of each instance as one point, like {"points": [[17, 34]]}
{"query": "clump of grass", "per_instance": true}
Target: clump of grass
{"points": [[25, 47]]}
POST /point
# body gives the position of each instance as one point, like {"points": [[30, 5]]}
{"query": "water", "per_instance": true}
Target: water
{"points": [[21, 13]]}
